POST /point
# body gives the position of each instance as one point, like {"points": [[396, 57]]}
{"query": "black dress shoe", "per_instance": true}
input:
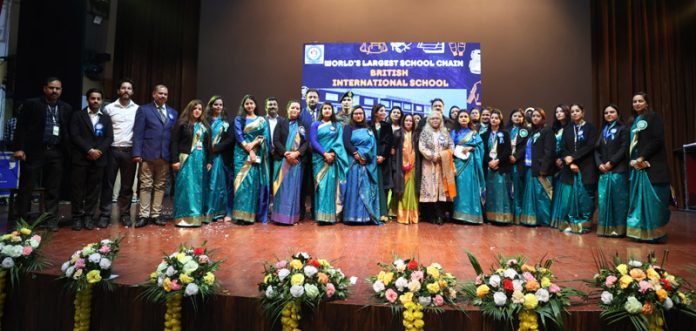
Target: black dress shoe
{"points": [[142, 221], [103, 222], [126, 220], [158, 221], [77, 224], [89, 223]]}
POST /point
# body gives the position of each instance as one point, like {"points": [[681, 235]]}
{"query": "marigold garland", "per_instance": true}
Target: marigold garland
{"points": [[413, 317], [291, 316], [172, 317], [83, 308], [528, 320]]}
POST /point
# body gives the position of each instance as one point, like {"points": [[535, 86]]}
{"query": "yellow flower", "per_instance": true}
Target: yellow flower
{"points": [[419, 323], [543, 270], [153, 276], [434, 272], [209, 278], [324, 263], [637, 274], [652, 274], [185, 279], [93, 276], [433, 288], [622, 268], [625, 281], [180, 257], [297, 264], [685, 300], [500, 271], [297, 279], [530, 301], [167, 284], [408, 316], [388, 277], [406, 297], [545, 282], [527, 267], [25, 231], [672, 280], [482, 290], [661, 294]]}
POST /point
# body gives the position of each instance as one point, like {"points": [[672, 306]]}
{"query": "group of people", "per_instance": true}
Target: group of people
{"points": [[333, 165]]}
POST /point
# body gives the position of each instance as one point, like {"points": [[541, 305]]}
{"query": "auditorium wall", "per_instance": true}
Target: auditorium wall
{"points": [[533, 52]]}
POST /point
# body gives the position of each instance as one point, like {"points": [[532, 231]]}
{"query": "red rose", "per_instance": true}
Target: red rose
{"points": [[666, 284], [314, 263], [198, 251], [412, 265], [507, 285]]}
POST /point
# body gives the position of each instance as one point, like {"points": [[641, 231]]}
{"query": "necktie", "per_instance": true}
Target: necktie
{"points": [[163, 114]]}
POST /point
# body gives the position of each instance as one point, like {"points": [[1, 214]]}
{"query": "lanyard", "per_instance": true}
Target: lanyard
{"points": [[607, 131]]}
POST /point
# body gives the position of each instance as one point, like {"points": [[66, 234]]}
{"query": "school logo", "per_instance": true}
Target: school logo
{"points": [[314, 54], [641, 125], [524, 133]]}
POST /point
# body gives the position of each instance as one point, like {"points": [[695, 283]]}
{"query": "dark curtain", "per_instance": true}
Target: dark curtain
{"points": [[157, 42], [649, 46]]}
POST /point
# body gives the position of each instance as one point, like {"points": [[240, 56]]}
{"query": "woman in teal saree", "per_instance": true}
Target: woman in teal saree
{"points": [[217, 195], [519, 133], [470, 181], [498, 186], [539, 163]]}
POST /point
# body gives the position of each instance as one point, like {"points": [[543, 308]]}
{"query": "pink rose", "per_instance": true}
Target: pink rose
{"points": [[417, 276], [175, 285], [478, 280], [528, 276], [203, 259], [104, 249], [36, 238], [80, 263], [554, 288], [391, 295], [27, 250], [281, 264], [330, 290], [644, 286], [610, 281], [438, 300]]}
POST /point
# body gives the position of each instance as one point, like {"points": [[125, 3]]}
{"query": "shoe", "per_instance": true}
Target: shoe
{"points": [[126, 220], [103, 222], [142, 221], [158, 221], [89, 223], [77, 224]]}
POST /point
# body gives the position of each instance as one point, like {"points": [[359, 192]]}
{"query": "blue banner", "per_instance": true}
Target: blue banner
{"points": [[404, 74]]}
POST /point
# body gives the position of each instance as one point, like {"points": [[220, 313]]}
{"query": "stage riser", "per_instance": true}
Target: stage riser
{"points": [[42, 304]]}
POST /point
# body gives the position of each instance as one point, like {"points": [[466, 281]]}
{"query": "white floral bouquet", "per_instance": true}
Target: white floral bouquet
{"points": [[188, 272], [517, 291], [641, 291], [86, 268], [414, 287], [298, 282]]}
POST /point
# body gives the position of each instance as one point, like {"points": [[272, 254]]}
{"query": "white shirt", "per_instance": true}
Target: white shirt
{"points": [[272, 121], [122, 119], [94, 117]]}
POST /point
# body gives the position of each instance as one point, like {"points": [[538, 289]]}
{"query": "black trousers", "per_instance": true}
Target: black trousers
{"points": [[50, 171], [86, 189], [307, 189], [119, 159], [431, 211]]}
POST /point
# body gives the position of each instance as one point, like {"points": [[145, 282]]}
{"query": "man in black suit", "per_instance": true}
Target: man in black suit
{"points": [[91, 136], [274, 121], [41, 142]]}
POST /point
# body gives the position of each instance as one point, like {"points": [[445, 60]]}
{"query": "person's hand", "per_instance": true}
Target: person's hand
{"points": [[574, 168], [93, 154], [362, 161], [393, 151], [559, 163], [513, 160], [603, 168], [329, 157], [247, 146], [407, 167], [568, 159], [356, 156], [137, 159], [208, 167], [176, 166], [494, 164], [380, 159], [19, 155], [252, 156]]}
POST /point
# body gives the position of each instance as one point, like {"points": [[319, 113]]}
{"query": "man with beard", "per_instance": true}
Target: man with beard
{"points": [[308, 116], [343, 115], [122, 114], [273, 120], [41, 143]]}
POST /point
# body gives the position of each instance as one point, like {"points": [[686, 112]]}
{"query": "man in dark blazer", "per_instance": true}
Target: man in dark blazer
{"points": [[151, 137], [274, 121], [41, 143], [91, 136]]}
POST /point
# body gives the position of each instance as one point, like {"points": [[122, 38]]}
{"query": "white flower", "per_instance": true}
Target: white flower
{"points": [[311, 290], [414, 286], [105, 264], [282, 273], [607, 297], [2, 245], [105, 242], [310, 271], [542, 295], [94, 258], [494, 281], [499, 298], [635, 264], [87, 252], [378, 286], [161, 267], [65, 266], [400, 283], [304, 255], [517, 285], [353, 280], [8, 263], [191, 289], [170, 271], [510, 273], [424, 301], [399, 263], [186, 259], [160, 281], [296, 291], [69, 271], [190, 267], [12, 251], [33, 243], [668, 304], [269, 291]]}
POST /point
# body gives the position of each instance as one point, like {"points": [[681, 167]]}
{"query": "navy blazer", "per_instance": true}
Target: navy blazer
{"points": [[543, 152], [85, 136], [151, 137], [582, 152], [503, 150], [651, 146], [306, 116]]}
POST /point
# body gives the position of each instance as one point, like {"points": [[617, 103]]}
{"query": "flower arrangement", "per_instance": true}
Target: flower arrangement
{"points": [[188, 272], [86, 268], [640, 291], [19, 253], [301, 281], [515, 290], [413, 287]]}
